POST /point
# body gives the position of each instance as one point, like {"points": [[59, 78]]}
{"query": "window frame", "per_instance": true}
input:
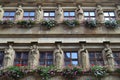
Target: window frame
{"points": [[69, 17], [110, 17], [49, 17], [28, 17], [89, 17], [9, 17]]}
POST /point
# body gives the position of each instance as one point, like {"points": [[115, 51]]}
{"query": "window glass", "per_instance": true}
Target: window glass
{"points": [[86, 14], [89, 15], [46, 14], [106, 14], [109, 15], [74, 55], [72, 13], [92, 13], [66, 14], [32, 14], [52, 14], [1, 58], [9, 15]]}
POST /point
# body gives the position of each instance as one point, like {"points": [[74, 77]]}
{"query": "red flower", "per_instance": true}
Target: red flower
{"points": [[18, 65], [93, 65]]}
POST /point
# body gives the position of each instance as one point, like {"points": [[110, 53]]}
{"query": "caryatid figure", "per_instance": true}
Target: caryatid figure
{"points": [[19, 13], [99, 14], [1, 12], [38, 14], [59, 17], [9, 57], [84, 58], [108, 57], [118, 12], [79, 14], [33, 57], [58, 57]]}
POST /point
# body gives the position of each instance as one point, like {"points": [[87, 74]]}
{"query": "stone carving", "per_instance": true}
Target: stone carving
{"points": [[59, 14], [100, 14], [19, 13], [9, 57], [58, 57], [79, 14], [33, 57], [84, 57], [38, 14], [118, 11], [1, 12], [108, 57]]}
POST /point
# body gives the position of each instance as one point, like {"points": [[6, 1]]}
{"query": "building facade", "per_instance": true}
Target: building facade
{"points": [[95, 41]]}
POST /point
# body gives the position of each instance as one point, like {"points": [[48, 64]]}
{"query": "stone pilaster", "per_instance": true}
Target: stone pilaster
{"points": [[59, 17], [1, 12], [19, 13], [117, 11], [38, 14], [83, 57], [79, 14]]}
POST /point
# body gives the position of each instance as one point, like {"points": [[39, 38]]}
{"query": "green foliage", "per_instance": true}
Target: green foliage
{"points": [[99, 71], [7, 22], [71, 73], [91, 24], [46, 72], [49, 23], [26, 23], [110, 24], [71, 23], [117, 70]]}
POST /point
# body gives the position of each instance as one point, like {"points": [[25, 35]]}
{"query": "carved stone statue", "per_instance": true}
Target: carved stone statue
{"points": [[100, 14], [118, 11], [108, 58], [19, 13], [33, 57], [38, 14], [58, 57], [79, 14], [84, 58], [59, 14], [9, 57], [1, 12]]}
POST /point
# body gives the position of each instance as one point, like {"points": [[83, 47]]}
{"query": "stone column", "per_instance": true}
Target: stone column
{"points": [[117, 11], [1, 12], [59, 17], [33, 57], [9, 55], [99, 14], [58, 57], [83, 57], [19, 13], [108, 57], [38, 14], [79, 14]]}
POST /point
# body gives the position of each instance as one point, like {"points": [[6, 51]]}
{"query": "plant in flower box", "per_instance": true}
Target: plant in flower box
{"points": [[26, 23], [71, 73], [46, 72], [49, 23], [111, 24], [71, 23], [7, 23], [99, 71], [91, 24]]}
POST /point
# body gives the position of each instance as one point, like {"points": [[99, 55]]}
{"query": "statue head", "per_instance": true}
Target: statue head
{"points": [[34, 46], [10, 47]]}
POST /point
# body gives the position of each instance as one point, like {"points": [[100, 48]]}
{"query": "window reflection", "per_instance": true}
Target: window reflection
{"points": [[89, 15], [9, 15], [69, 15]]}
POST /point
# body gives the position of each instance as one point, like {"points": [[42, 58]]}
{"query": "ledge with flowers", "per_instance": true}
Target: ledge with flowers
{"points": [[48, 24], [46, 72]]}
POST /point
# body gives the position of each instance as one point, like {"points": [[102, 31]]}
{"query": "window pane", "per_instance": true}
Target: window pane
{"points": [[49, 62], [46, 14], [42, 56], [42, 62], [112, 14], [26, 13], [74, 55], [92, 14], [92, 55], [52, 14], [67, 55], [107, 19], [18, 56], [106, 14], [116, 55], [32, 13], [72, 13], [12, 14], [75, 63], [25, 56], [66, 14], [49, 56], [6, 13], [86, 14]]}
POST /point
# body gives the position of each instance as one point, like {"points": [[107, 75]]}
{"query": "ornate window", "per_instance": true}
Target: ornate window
{"points": [[96, 58], [29, 15], [109, 15], [116, 58], [49, 15], [9, 15], [46, 58], [21, 58], [71, 58], [69, 15], [89, 15], [1, 58]]}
